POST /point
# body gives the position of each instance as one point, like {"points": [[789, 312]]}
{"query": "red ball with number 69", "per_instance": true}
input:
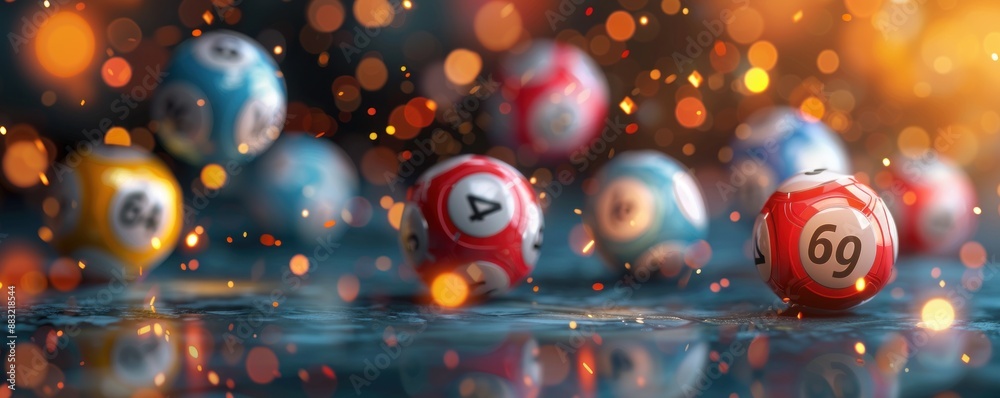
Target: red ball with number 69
{"points": [[825, 241]]}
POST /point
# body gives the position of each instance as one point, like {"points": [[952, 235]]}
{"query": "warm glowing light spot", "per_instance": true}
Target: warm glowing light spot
{"points": [[374, 13], [938, 314], [116, 72], [690, 112], [299, 264], [497, 25], [64, 44], [860, 284], [117, 136], [191, 240], [462, 66], [859, 348], [396, 214], [449, 290], [451, 359], [695, 78], [348, 287], [756, 80], [156, 243], [193, 351], [627, 105], [620, 26], [213, 176]]}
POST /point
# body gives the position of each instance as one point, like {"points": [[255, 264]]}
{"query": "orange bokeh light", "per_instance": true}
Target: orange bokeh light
{"points": [[449, 290], [65, 44]]}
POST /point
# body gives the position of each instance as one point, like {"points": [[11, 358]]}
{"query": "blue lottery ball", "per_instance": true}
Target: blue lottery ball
{"points": [[223, 99], [646, 212], [300, 186], [775, 144]]}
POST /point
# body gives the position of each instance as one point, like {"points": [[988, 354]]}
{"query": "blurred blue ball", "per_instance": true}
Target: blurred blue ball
{"points": [[300, 185], [777, 144], [223, 98], [647, 210]]}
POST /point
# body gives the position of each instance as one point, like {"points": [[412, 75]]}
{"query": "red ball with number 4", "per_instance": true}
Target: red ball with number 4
{"points": [[471, 221], [825, 241]]}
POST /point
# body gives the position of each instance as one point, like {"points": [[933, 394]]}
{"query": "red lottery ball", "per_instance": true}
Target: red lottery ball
{"points": [[825, 241], [475, 217], [555, 100], [934, 199]]}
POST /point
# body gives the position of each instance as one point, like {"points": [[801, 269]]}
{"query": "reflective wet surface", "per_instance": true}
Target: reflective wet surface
{"points": [[354, 327]]}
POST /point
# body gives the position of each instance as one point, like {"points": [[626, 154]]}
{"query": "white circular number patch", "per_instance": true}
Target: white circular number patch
{"points": [[224, 51], [809, 179], [413, 235], [140, 210], [762, 247], [484, 279], [481, 205], [689, 199], [139, 359], [837, 247], [625, 209], [177, 110], [259, 124], [531, 241]]}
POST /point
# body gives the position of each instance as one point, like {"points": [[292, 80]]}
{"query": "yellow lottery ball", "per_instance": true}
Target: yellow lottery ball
{"points": [[119, 211]]}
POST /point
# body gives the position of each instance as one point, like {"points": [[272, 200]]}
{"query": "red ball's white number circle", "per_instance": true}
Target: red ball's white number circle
{"points": [[837, 247], [481, 205]]}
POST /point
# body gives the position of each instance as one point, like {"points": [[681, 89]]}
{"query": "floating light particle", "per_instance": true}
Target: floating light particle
{"points": [[588, 246], [589, 370], [230, 284], [208, 17], [305, 213], [859, 348], [797, 17], [191, 240], [577, 211], [846, 17], [193, 351], [597, 286], [937, 314], [572, 324], [155, 242], [995, 57], [734, 216], [627, 105], [372, 136], [695, 79], [860, 284], [407, 4], [278, 50], [885, 162], [966, 358], [977, 210]]}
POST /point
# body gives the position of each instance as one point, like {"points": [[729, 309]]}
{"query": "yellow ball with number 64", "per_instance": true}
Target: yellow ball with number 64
{"points": [[117, 210]]}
